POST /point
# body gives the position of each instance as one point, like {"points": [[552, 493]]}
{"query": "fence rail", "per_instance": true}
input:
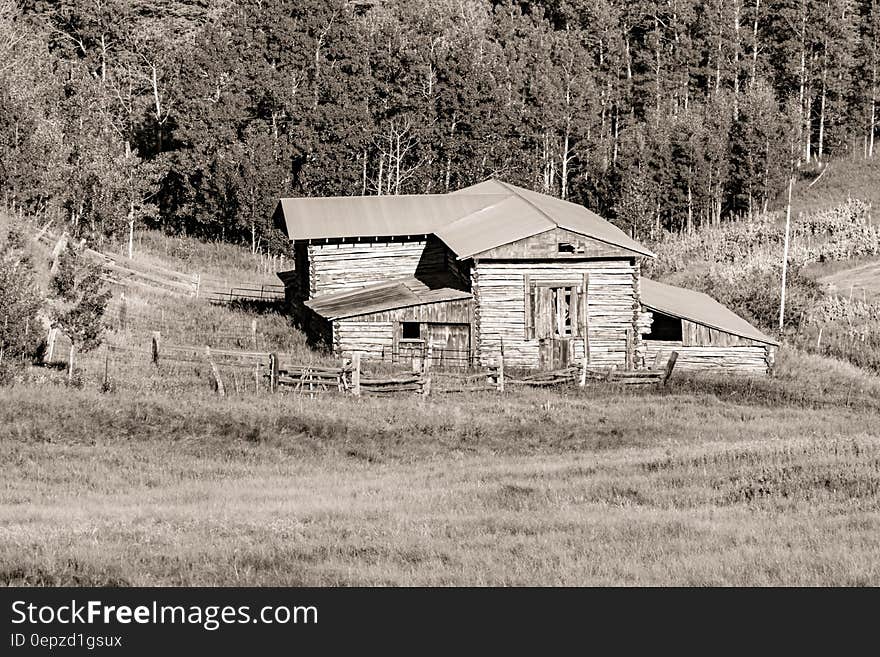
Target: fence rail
{"points": [[280, 372], [121, 271]]}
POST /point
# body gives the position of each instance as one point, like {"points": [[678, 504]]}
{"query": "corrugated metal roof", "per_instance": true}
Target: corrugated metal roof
{"points": [[470, 221], [388, 295], [697, 307], [369, 216], [507, 221]]}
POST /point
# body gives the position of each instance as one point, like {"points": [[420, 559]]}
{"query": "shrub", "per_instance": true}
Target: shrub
{"points": [[20, 302], [79, 301], [754, 292]]}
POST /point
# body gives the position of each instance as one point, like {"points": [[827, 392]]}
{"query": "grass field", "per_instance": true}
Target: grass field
{"points": [[842, 179], [157, 481], [860, 280], [774, 482]]}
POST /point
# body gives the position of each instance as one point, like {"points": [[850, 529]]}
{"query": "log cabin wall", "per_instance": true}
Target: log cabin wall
{"points": [[753, 360], [702, 348], [336, 265], [501, 293], [378, 335]]}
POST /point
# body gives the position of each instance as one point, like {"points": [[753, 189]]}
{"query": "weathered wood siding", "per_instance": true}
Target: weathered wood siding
{"points": [[546, 245], [753, 360], [500, 308], [698, 335], [349, 265], [373, 340], [377, 335]]}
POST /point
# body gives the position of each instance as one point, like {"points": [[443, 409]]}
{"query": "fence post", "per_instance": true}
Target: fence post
{"points": [[221, 390], [501, 371], [629, 350], [426, 371], [670, 365], [50, 344], [257, 378], [123, 311], [70, 361], [658, 360], [254, 331], [273, 371], [583, 382], [356, 374], [157, 336], [105, 386], [610, 375], [341, 382]]}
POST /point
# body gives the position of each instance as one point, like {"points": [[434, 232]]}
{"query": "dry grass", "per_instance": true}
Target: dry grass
{"points": [[219, 261], [711, 482], [844, 178]]}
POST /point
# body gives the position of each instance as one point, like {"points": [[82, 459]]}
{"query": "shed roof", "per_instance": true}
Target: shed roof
{"points": [[470, 221], [387, 295], [699, 308]]}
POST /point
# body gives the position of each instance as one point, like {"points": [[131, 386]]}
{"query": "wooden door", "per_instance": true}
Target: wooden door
{"points": [[450, 344], [555, 353]]}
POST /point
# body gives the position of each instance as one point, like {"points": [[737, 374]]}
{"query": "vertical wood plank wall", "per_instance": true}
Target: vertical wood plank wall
{"points": [[500, 308]]}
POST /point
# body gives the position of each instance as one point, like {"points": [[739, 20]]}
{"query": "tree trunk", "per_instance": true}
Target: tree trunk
{"points": [[755, 44], [736, 21], [131, 230], [822, 108], [803, 76], [873, 111]]}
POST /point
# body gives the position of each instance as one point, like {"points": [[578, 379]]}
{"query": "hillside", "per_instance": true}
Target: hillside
{"points": [[839, 180]]}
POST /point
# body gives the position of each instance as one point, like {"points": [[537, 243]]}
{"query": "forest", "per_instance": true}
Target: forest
{"points": [[194, 116]]}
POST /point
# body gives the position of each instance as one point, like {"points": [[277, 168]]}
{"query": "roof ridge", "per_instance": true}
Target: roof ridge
{"points": [[513, 191]]}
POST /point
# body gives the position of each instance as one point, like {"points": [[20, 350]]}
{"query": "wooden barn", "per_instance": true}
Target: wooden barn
{"points": [[485, 268]]}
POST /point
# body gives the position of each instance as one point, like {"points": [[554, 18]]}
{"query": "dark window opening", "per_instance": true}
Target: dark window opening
{"points": [[566, 247], [664, 327], [411, 331]]}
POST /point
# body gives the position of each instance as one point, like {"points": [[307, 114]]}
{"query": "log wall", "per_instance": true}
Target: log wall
{"points": [[346, 265], [500, 308], [747, 360], [373, 340]]}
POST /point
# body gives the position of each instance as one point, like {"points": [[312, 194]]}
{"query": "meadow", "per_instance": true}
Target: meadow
{"points": [[704, 482], [150, 478]]}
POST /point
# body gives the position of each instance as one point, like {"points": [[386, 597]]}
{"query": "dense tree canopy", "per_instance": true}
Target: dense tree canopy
{"points": [[196, 115]]}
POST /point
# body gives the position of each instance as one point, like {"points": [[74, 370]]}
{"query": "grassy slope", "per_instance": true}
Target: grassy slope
{"points": [[160, 482], [720, 483], [843, 179]]}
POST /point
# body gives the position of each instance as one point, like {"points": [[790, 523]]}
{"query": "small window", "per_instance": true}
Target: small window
{"points": [[566, 247], [411, 331]]}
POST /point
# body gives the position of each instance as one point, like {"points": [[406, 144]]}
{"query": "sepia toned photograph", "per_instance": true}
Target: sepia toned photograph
{"points": [[434, 293]]}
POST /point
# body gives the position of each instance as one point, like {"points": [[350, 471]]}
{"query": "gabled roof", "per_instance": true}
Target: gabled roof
{"points": [[697, 307], [470, 221], [387, 295], [526, 213]]}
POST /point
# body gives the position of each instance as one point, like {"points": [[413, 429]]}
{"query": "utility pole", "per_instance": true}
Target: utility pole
{"points": [[785, 253]]}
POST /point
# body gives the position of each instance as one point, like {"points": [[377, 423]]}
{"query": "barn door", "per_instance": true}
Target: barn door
{"points": [[556, 324]]}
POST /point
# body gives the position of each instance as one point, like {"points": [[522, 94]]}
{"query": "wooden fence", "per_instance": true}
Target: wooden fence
{"points": [[119, 270], [279, 372]]}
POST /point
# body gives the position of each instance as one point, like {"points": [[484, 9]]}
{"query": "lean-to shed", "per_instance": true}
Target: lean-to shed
{"points": [[706, 334]]}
